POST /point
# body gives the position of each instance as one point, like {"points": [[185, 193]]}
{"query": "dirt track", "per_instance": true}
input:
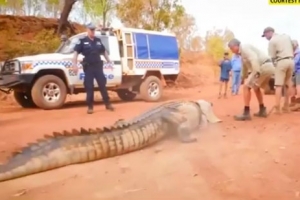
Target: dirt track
{"points": [[232, 160]]}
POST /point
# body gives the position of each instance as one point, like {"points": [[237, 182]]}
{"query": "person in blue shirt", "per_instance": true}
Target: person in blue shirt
{"points": [[236, 63], [296, 77], [225, 68]]}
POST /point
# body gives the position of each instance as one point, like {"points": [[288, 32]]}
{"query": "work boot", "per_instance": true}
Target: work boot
{"points": [[90, 111], [261, 113], [277, 110], [225, 96], [243, 117], [285, 108], [109, 107], [296, 107]]}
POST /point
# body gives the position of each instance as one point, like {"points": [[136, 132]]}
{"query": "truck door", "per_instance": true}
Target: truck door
{"points": [[113, 72]]}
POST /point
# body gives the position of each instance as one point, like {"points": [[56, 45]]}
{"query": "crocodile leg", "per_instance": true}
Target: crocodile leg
{"points": [[180, 125]]}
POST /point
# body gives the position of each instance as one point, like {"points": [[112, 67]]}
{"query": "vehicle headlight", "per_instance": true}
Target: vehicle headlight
{"points": [[26, 65]]}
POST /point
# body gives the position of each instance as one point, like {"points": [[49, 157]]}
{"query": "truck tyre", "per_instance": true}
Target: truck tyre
{"points": [[24, 99], [126, 95], [151, 89], [49, 92]]}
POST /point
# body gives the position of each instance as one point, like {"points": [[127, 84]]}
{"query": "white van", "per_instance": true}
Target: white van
{"points": [[142, 63]]}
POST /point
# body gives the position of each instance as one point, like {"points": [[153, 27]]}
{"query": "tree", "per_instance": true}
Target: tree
{"points": [[63, 21], [150, 14], [216, 42], [13, 7], [196, 43], [101, 8], [54, 7], [185, 30]]}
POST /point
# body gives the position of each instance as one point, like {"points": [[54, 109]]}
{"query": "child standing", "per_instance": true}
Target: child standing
{"points": [[225, 66]]}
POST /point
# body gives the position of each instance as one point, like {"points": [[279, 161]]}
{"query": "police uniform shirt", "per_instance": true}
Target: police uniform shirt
{"points": [[90, 49]]}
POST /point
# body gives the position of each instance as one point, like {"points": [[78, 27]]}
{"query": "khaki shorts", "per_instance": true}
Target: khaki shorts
{"points": [[283, 72], [267, 71]]}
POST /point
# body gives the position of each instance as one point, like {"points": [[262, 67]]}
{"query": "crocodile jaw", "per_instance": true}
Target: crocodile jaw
{"points": [[207, 110]]}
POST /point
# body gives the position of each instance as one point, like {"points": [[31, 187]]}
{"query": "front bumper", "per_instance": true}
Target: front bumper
{"points": [[14, 80]]}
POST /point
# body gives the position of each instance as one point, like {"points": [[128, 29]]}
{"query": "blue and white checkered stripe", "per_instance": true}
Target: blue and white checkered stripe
{"points": [[156, 65], [65, 63]]}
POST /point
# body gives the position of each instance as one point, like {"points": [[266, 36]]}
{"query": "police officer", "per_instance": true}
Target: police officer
{"points": [[91, 48]]}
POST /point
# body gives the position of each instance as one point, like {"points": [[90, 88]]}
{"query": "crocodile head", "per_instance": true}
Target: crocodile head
{"points": [[207, 111]]}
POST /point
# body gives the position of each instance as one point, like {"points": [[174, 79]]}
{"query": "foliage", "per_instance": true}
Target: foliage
{"points": [[160, 15], [216, 42], [150, 14], [100, 9], [46, 41], [185, 32]]}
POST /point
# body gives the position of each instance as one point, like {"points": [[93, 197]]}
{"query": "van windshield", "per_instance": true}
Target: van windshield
{"points": [[67, 47]]}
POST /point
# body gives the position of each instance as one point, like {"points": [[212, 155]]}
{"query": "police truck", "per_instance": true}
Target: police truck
{"points": [[142, 62]]}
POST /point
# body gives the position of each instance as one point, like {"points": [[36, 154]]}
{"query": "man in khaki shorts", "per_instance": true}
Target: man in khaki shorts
{"points": [[282, 54], [261, 68]]}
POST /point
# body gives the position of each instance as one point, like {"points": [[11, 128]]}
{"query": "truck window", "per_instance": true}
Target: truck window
{"points": [[69, 45], [149, 46]]}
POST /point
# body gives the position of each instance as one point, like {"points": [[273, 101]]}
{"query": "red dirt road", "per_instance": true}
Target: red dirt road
{"points": [[232, 160]]}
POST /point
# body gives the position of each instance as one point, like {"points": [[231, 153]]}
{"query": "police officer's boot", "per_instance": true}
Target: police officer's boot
{"points": [[245, 116], [262, 111], [108, 106], [90, 111]]}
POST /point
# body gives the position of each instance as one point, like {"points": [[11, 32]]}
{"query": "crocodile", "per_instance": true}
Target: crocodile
{"points": [[60, 149]]}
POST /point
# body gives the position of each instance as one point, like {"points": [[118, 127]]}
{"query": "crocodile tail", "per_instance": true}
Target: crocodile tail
{"points": [[62, 149]]}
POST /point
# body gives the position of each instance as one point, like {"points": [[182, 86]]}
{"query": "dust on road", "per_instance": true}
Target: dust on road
{"points": [[231, 160]]}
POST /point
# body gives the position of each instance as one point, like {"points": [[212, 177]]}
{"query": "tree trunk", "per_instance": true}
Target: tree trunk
{"points": [[63, 21], [104, 19]]}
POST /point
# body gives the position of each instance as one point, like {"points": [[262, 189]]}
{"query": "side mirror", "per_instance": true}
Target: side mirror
{"points": [[63, 38]]}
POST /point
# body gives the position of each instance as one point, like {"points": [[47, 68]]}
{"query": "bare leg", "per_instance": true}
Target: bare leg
{"points": [[225, 88], [262, 109], [287, 94], [247, 95], [278, 94], [259, 95], [220, 89]]}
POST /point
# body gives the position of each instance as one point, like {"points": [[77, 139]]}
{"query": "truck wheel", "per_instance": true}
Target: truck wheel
{"points": [[49, 92], [151, 89], [126, 95], [24, 99]]}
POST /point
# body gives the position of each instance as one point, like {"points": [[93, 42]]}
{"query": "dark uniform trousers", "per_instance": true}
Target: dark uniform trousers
{"points": [[91, 73]]}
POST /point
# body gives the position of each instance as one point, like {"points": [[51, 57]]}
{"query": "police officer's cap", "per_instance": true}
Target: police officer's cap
{"points": [[267, 30], [90, 26]]}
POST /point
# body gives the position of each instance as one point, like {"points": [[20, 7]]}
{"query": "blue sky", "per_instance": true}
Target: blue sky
{"points": [[246, 19]]}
